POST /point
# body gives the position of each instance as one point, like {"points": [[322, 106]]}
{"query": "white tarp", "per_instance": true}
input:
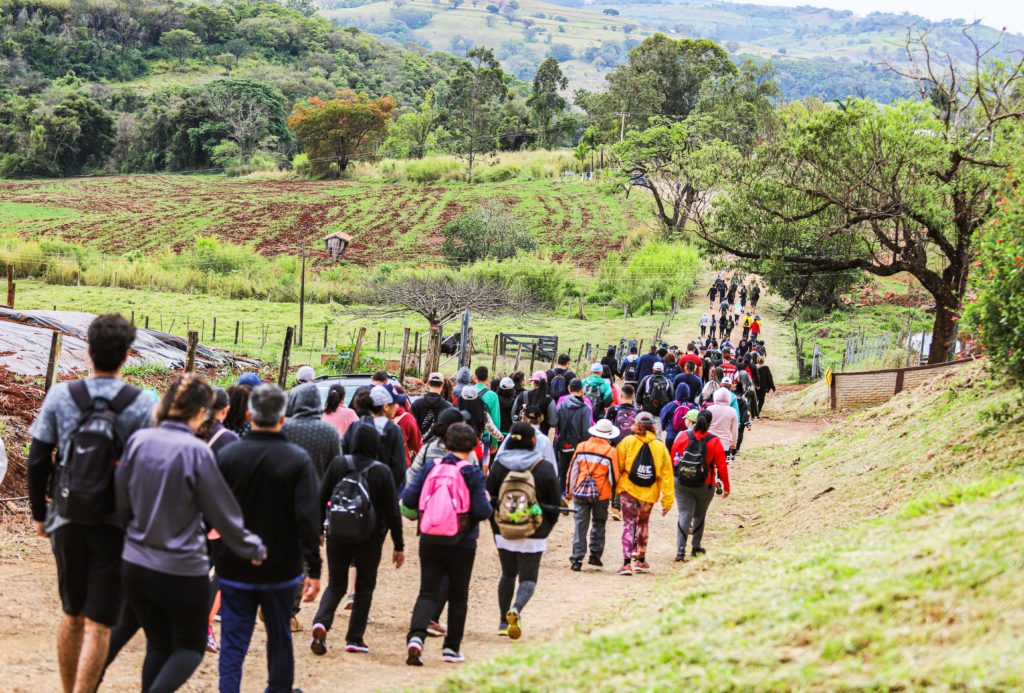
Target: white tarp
{"points": [[25, 338]]}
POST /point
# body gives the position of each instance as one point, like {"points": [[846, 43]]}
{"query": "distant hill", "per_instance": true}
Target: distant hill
{"points": [[818, 52]]}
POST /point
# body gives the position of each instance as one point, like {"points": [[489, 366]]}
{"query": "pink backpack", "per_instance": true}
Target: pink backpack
{"points": [[444, 503]]}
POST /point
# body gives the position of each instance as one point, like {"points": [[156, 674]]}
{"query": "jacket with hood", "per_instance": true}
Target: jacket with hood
{"points": [[725, 421], [545, 481], [547, 406], [490, 401], [427, 408], [506, 399], [574, 420], [306, 428], [462, 378], [392, 446], [480, 506], [598, 457], [381, 486], [544, 447], [664, 483], [629, 359]]}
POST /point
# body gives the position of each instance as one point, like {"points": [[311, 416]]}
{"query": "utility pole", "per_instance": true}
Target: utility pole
{"points": [[302, 295], [622, 125]]}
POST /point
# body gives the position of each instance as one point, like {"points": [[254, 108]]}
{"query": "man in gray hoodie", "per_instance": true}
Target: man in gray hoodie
{"points": [[306, 428], [574, 422]]}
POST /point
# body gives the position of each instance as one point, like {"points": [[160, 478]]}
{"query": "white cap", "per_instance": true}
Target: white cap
{"points": [[380, 396], [306, 374]]}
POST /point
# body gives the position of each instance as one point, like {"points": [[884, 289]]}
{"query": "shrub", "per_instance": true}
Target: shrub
{"points": [[487, 232]]}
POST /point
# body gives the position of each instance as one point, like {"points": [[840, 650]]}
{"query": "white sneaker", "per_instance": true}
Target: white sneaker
{"points": [[451, 656]]}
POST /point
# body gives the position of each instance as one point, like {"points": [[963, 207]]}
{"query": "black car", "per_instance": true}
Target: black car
{"points": [[351, 381]]}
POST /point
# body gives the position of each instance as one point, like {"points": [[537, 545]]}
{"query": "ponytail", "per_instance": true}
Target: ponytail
{"points": [[335, 396], [703, 422]]}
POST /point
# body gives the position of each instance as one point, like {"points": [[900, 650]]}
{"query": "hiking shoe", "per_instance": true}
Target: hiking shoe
{"points": [[452, 656], [681, 556], [357, 647], [575, 566], [318, 644], [436, 630], [699, 551], [626, 570], [515, 628], [350, 600], [594, 560], [296, 626], [211, 641], [642, 567], [414, 653]]}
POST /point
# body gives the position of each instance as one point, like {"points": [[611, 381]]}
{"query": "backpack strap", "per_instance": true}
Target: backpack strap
{"points": [[80, 394], [216, 436], [535, 464], [124, 398]]}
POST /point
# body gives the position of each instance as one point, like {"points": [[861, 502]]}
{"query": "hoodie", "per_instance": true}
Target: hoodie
{"points": [[606, 390], [664, 484], [725, 421], [306, 428], [549, 497], [544, 447], [462, 378], [574, 420]]}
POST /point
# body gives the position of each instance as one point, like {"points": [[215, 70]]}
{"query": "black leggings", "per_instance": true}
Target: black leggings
{"points": [[526, 567], [172, 611], [436, 563], [366, 558]]}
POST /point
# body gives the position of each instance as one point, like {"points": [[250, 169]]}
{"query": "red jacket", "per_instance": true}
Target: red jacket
{"points": [[716, 456], [411, 432]]}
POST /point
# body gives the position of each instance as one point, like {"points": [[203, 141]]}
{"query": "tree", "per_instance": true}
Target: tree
{"points": [[438, 296], [95, 137], [251, 112], [742, 103], [341, 129], [883, 190], [476, 93], [181, 42], [228, 61], [412, 135], [545, 102], [486, 233]]}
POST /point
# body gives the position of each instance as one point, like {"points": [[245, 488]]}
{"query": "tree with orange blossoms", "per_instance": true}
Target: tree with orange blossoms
{"points": [[340, 130]]}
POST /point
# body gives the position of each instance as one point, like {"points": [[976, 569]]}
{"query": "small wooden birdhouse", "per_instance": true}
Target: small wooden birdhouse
{"points": [[336, 244]]}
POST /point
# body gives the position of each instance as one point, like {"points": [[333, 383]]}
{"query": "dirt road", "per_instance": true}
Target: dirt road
{"points": [[30, 610]]}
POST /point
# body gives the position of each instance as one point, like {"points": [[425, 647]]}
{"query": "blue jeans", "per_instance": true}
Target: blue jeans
{"points": [[238, 617]]}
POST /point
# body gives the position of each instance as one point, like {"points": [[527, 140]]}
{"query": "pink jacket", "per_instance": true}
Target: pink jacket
{"points": [[724, 422]]}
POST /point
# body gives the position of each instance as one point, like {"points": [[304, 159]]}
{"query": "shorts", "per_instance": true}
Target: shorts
{"points": [[89, 571]]}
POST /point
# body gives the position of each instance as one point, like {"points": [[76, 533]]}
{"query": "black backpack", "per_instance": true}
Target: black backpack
{"points": [[629, 374], [642, 472], [659, 392], [692, 467], [558, 385], [351, 517], [85, 488]]}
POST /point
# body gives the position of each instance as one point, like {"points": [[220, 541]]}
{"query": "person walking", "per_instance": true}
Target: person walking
{"points": [[629, 368], [275, 482], [690, 379], [306, 428], [448, 536], [167, 485], [655, 390], [537, 397], [85, 537], [611, 364], [381, 409], [355, 530], [597, 391], [765, 382], [755, 296], [645, 366], [590, 485], [213, 431], [506, 399], [725, 420], [428, 407], [703, 324], [336, 413], [645, 476], [699, 461], [755, 328], [574, 422], [559, 378], [520, 555]]}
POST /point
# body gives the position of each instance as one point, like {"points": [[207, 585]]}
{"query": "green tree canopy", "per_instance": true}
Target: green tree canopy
{"points": [[473, 105], [545, 102]]}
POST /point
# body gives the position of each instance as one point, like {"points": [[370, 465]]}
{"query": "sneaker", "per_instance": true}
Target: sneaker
{"points": [[350, 600], [718, 487], [515, 628], [211, 641], [503, 630], [642, 567], [414, 653], [318, 644], [616, 514], [296, 626], [699, 551], [357, 647], [626, 570], [594, 560], [681, 556], [575, 566], [451, 656], [436, 630]]}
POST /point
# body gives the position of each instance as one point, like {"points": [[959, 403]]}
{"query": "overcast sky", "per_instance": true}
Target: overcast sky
{"points": [[996, 13]]}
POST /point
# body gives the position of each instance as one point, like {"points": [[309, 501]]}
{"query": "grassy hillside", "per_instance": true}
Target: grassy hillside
{"points": [[858, 563], [388, 221]]}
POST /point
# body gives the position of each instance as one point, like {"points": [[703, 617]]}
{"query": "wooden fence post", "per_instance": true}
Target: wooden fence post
{"points": [[190, 355], [147, 322], [286, 352], [213, 337], [533, 356], [404, 356], [355, 351], [325, 336], [494, 356], [469, 347], [237, 325], [10, 286], [519, 353], [53, 363]]}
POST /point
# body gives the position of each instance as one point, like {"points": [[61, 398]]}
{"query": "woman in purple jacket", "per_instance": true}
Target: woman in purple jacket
{"points": [[167, 484]]}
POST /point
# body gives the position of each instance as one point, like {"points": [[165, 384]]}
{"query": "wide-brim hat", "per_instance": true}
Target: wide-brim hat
{"points": [[604, 429]]}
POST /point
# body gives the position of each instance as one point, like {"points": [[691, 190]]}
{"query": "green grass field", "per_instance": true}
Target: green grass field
{"points": [[389, 222]]}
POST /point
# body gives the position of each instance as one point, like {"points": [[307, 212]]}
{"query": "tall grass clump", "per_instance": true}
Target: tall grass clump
{"points": [[505, 166], [649, 276]]}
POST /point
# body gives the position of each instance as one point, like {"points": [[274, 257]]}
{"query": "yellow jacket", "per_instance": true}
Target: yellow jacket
{"points": [[747, 321], [664, 484]]}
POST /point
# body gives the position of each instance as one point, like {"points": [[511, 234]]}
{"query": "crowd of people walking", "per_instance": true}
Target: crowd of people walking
{"points": [[168, 512]]}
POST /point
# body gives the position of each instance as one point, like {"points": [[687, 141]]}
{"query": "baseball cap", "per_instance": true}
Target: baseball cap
{"points": [[380, 396], [538, 376], [306, 374], [435, 378], [727, 380], [644, 417], [506, 384], [449, 416], [250, 379], [692, 415], [658, 366], [468, 392], [597, 368]]}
